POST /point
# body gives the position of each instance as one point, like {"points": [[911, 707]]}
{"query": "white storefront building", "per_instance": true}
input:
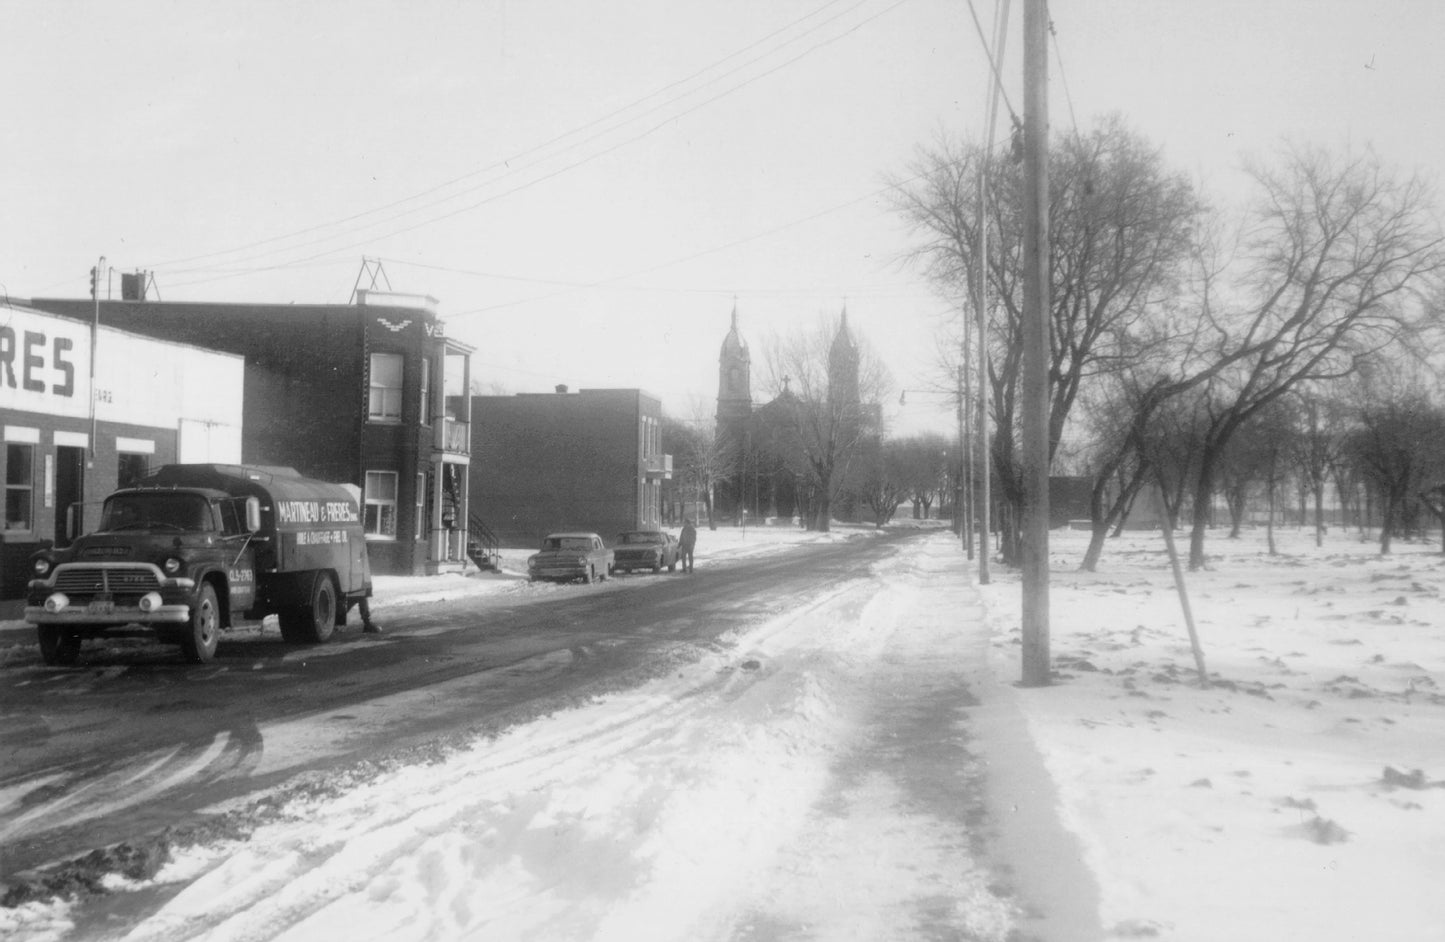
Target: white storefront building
{"points": [[76, 427]]}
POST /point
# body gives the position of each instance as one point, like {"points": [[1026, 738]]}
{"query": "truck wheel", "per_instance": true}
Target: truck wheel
{"points": [[315, 622], [199, 642], [59, 647], [656, 568]]}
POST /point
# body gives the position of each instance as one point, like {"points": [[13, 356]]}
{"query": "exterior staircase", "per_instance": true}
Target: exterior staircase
{"points": [[483, 548]]}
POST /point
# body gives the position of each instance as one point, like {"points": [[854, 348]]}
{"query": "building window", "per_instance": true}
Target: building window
{"points": [[420, 506], [19, 487], [425, 391], [130, 469], [380, 505], [384, 404]]}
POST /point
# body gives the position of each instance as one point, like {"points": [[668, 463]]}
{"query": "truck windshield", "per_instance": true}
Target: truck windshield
{"points": [[157, 512]]}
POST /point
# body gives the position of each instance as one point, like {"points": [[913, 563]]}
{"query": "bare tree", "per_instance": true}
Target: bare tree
{"points": [[1330, 268], [833, 416], [881, 478], [1317, 447], [1120, 228], [1399, 448], [700, 462], [922, 465]]}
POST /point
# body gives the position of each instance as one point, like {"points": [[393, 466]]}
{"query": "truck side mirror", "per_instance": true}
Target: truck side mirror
{"points": [[253, 514]]}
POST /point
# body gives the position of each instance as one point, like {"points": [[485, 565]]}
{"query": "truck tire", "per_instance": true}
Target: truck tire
{"points": [[59, 647], [199, 640], [314, 622]]}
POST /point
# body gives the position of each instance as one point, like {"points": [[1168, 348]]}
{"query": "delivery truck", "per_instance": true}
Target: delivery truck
{"points": [[197, 548]]}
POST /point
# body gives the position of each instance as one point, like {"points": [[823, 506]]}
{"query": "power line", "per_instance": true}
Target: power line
{"points": [[1063, 79], [605, 282], [988, 53], [541, 147]]}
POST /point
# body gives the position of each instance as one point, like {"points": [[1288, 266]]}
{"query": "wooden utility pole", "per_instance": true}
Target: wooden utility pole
{"points": [[1034, 397], [982, 451]]}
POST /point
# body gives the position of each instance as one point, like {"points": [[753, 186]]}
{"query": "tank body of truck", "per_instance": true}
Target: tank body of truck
{"points": [[193, 549]]}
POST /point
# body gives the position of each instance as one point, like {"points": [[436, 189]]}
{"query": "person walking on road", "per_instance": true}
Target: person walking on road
{"points": [[686, 542]]}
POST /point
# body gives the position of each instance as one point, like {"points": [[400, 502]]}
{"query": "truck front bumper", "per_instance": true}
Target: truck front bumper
{"points": [[151, 610]]}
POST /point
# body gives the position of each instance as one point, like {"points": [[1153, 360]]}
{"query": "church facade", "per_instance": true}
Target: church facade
{"points": [[770, 453]]}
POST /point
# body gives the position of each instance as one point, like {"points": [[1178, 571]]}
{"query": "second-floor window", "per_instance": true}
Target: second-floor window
{"points": [[384, 403]]}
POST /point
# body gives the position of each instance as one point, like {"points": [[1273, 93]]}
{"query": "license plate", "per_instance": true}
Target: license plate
{"points": [[100, 607]]}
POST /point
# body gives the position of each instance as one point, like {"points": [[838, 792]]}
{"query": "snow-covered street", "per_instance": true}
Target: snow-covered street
{"points": [[865, 768]]}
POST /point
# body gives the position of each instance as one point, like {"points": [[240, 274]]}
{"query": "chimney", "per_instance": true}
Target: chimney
{"points": [[133, 287], [561, 387]]}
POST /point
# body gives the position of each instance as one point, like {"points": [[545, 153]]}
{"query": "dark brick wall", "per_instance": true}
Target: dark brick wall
{"points": [[557, 461]]}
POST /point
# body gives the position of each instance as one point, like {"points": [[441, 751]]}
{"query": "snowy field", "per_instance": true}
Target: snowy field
{"points": [[1301, 796], [821, 776]]}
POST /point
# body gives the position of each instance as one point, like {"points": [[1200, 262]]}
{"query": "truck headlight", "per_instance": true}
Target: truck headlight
{"points": [[172, 565], [56, 602], [150, 602], [41, 567]]}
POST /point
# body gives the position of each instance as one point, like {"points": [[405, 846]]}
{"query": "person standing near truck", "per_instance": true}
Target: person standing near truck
{"points": [[367, 625], [686, 542]]}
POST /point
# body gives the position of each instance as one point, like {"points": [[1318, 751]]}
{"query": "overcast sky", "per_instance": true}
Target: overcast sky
{"points": [[588, 187]]}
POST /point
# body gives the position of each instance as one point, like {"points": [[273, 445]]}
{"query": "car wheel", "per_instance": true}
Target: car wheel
{"points": [[198, 643], [314, 622], [59, 647]]}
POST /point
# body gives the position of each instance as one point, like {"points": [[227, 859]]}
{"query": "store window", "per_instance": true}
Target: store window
{"points": [[130, 469], [19, 486], [384, 403], [380, 514]]}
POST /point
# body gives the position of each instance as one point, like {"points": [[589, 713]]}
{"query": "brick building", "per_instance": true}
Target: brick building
{"points": [[589, 460], [73, 428], [372, 394]]}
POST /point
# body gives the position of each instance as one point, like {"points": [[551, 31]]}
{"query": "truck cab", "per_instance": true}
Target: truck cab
{"points": [[194, 550]]}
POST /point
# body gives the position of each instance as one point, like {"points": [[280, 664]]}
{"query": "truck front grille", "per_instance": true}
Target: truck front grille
{"points": [[118, 580]]}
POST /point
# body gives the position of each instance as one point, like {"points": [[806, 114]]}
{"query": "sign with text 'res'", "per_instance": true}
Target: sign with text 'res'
{"points": [[44, 363]]}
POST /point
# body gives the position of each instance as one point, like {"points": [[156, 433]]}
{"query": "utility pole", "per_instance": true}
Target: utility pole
{"points": [[1034, 396], [964, 510], [96, 274], [982, 451]]}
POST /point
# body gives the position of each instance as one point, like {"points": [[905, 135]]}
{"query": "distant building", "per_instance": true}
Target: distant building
{"points": [[154, 402], [373, 394], [589, 460], [763, 471]]}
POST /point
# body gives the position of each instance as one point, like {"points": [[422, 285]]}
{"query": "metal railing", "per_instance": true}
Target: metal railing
{"points": [[483, 548], [454, 437]]}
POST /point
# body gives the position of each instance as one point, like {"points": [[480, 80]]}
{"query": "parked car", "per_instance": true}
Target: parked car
{"points": [[568, 556], [645, 549]]}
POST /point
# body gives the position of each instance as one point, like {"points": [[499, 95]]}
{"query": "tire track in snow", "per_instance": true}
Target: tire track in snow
{"points": [[628, 757]]}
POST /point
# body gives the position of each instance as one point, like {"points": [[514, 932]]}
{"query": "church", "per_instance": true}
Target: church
{"points": [[777, 460]]}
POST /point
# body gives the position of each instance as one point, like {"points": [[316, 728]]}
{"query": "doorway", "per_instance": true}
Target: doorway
{"points": [[69, 493]]}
